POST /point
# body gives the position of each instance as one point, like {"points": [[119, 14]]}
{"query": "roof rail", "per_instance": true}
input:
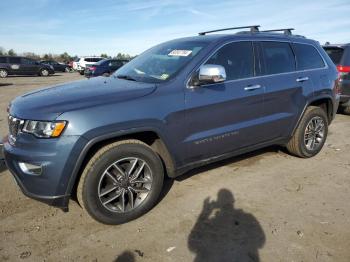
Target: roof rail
{"points": [[253, 29], [286, 31]]}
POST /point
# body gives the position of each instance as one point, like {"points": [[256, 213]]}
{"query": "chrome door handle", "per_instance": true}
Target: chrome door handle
{"points": [[302, 79], [252, 87]]}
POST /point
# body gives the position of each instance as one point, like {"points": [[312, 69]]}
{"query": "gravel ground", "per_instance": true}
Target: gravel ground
{"points": [[266, 205]]}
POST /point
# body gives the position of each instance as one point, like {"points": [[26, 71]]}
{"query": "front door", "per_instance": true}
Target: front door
{"points": [[224, 117]]}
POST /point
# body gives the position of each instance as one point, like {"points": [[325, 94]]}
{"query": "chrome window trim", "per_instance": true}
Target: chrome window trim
{"points": [[255, 77]]}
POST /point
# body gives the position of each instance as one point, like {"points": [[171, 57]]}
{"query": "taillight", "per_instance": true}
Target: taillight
{"points": [[343, 69], [92, 68]]}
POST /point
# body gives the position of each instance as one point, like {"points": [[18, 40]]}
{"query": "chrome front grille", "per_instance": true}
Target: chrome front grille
{"points": [[15, 126]]}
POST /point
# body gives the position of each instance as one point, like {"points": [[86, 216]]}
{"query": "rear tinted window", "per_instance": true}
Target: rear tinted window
{"points": [[278, 57], [335, 53], [307, 57], [237, 59], [3, 60], [14, 60]]}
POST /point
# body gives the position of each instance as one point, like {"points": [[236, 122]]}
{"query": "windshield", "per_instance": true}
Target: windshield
{"points": [[102, 61], [161, 62]]}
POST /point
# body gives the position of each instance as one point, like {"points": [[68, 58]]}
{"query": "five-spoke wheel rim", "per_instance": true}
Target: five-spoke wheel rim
{"points": [[314, 133], [125, 184]]}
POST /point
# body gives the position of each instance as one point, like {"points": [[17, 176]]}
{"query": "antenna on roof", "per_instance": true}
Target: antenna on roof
{"points": [[253, 29], [286, 31]]}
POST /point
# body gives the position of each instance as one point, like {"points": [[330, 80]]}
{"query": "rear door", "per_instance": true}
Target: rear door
{"points": [[223, 117], [311, 63], [29, 66], [284, 98]]}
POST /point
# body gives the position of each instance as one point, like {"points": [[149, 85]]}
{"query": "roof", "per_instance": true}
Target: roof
{"points": [[246, 36], [252, 32]]}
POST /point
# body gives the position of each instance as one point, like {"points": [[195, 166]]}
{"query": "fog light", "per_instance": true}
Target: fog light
{"points": [[30, 169]]}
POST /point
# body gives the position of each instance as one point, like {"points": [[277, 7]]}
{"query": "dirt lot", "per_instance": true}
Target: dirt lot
{"points": [[265, 205]]}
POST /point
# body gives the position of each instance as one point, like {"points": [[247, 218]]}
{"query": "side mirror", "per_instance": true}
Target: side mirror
{"points": [[210, 74]]}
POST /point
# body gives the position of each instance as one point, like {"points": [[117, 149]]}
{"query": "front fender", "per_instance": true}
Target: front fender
{"points": [[94, 137]]}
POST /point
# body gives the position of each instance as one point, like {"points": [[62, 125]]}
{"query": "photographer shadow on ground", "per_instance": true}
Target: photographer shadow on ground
{"points": [[223, 233]]}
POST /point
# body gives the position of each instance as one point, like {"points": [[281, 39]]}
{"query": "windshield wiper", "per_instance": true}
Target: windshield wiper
{"points": [[126, 77]]}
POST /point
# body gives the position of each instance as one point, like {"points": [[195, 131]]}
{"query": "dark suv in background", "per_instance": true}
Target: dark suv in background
{"points": [[340, 54], [17, 65], [181, 104], [104, 67]]}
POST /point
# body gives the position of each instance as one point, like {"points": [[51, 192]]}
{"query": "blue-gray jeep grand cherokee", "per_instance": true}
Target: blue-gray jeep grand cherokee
{"points": [[181, 104]]}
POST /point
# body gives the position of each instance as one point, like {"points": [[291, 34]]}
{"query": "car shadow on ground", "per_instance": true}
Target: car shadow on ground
{"points": [[251, 156], [3, 166], [224, 233], [6, 84]]}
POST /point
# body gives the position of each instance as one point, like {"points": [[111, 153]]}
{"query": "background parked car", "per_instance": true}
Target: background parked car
{"points": [[58, 67], [75, 63], [17, 65], [340, 54], [104, 67], [83, 62]]}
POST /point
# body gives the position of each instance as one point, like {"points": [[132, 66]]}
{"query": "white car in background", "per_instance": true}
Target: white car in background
{"points": [[82, 62]]}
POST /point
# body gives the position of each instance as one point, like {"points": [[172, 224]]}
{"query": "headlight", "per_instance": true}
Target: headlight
{"points": [[44, 129]]}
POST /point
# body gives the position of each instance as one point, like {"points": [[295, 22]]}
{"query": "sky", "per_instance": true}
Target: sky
{"points": [[84, 27]]}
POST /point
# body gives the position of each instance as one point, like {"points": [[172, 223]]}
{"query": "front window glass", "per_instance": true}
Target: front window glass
{"points": [[237, 59], [27, 61], [161, 62]]}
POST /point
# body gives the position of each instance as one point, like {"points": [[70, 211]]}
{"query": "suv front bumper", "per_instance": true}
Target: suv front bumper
{"points": [[56, 159]]}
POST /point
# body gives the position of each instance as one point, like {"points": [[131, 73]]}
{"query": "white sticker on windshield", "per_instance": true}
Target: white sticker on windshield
{"points": [[180, 52]]}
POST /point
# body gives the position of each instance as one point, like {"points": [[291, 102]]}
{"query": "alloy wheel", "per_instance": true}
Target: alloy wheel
{"points": [[125, 184], [314, 133]]}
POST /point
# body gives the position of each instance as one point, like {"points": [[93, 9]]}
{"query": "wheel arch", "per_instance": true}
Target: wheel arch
{"points": [[148, 136], [325, 102]]}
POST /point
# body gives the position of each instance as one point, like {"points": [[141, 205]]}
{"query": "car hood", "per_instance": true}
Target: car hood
{"points": [[49, 103]]}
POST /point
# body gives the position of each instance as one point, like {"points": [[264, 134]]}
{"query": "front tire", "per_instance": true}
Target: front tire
{"points": [[44, 72], [311, 133], [121, 182], [3, 73], [346, 110]]}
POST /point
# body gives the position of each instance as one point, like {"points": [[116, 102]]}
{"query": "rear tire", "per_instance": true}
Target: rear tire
{"points": [[3, 73], [310, 134], [121, 182]]}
